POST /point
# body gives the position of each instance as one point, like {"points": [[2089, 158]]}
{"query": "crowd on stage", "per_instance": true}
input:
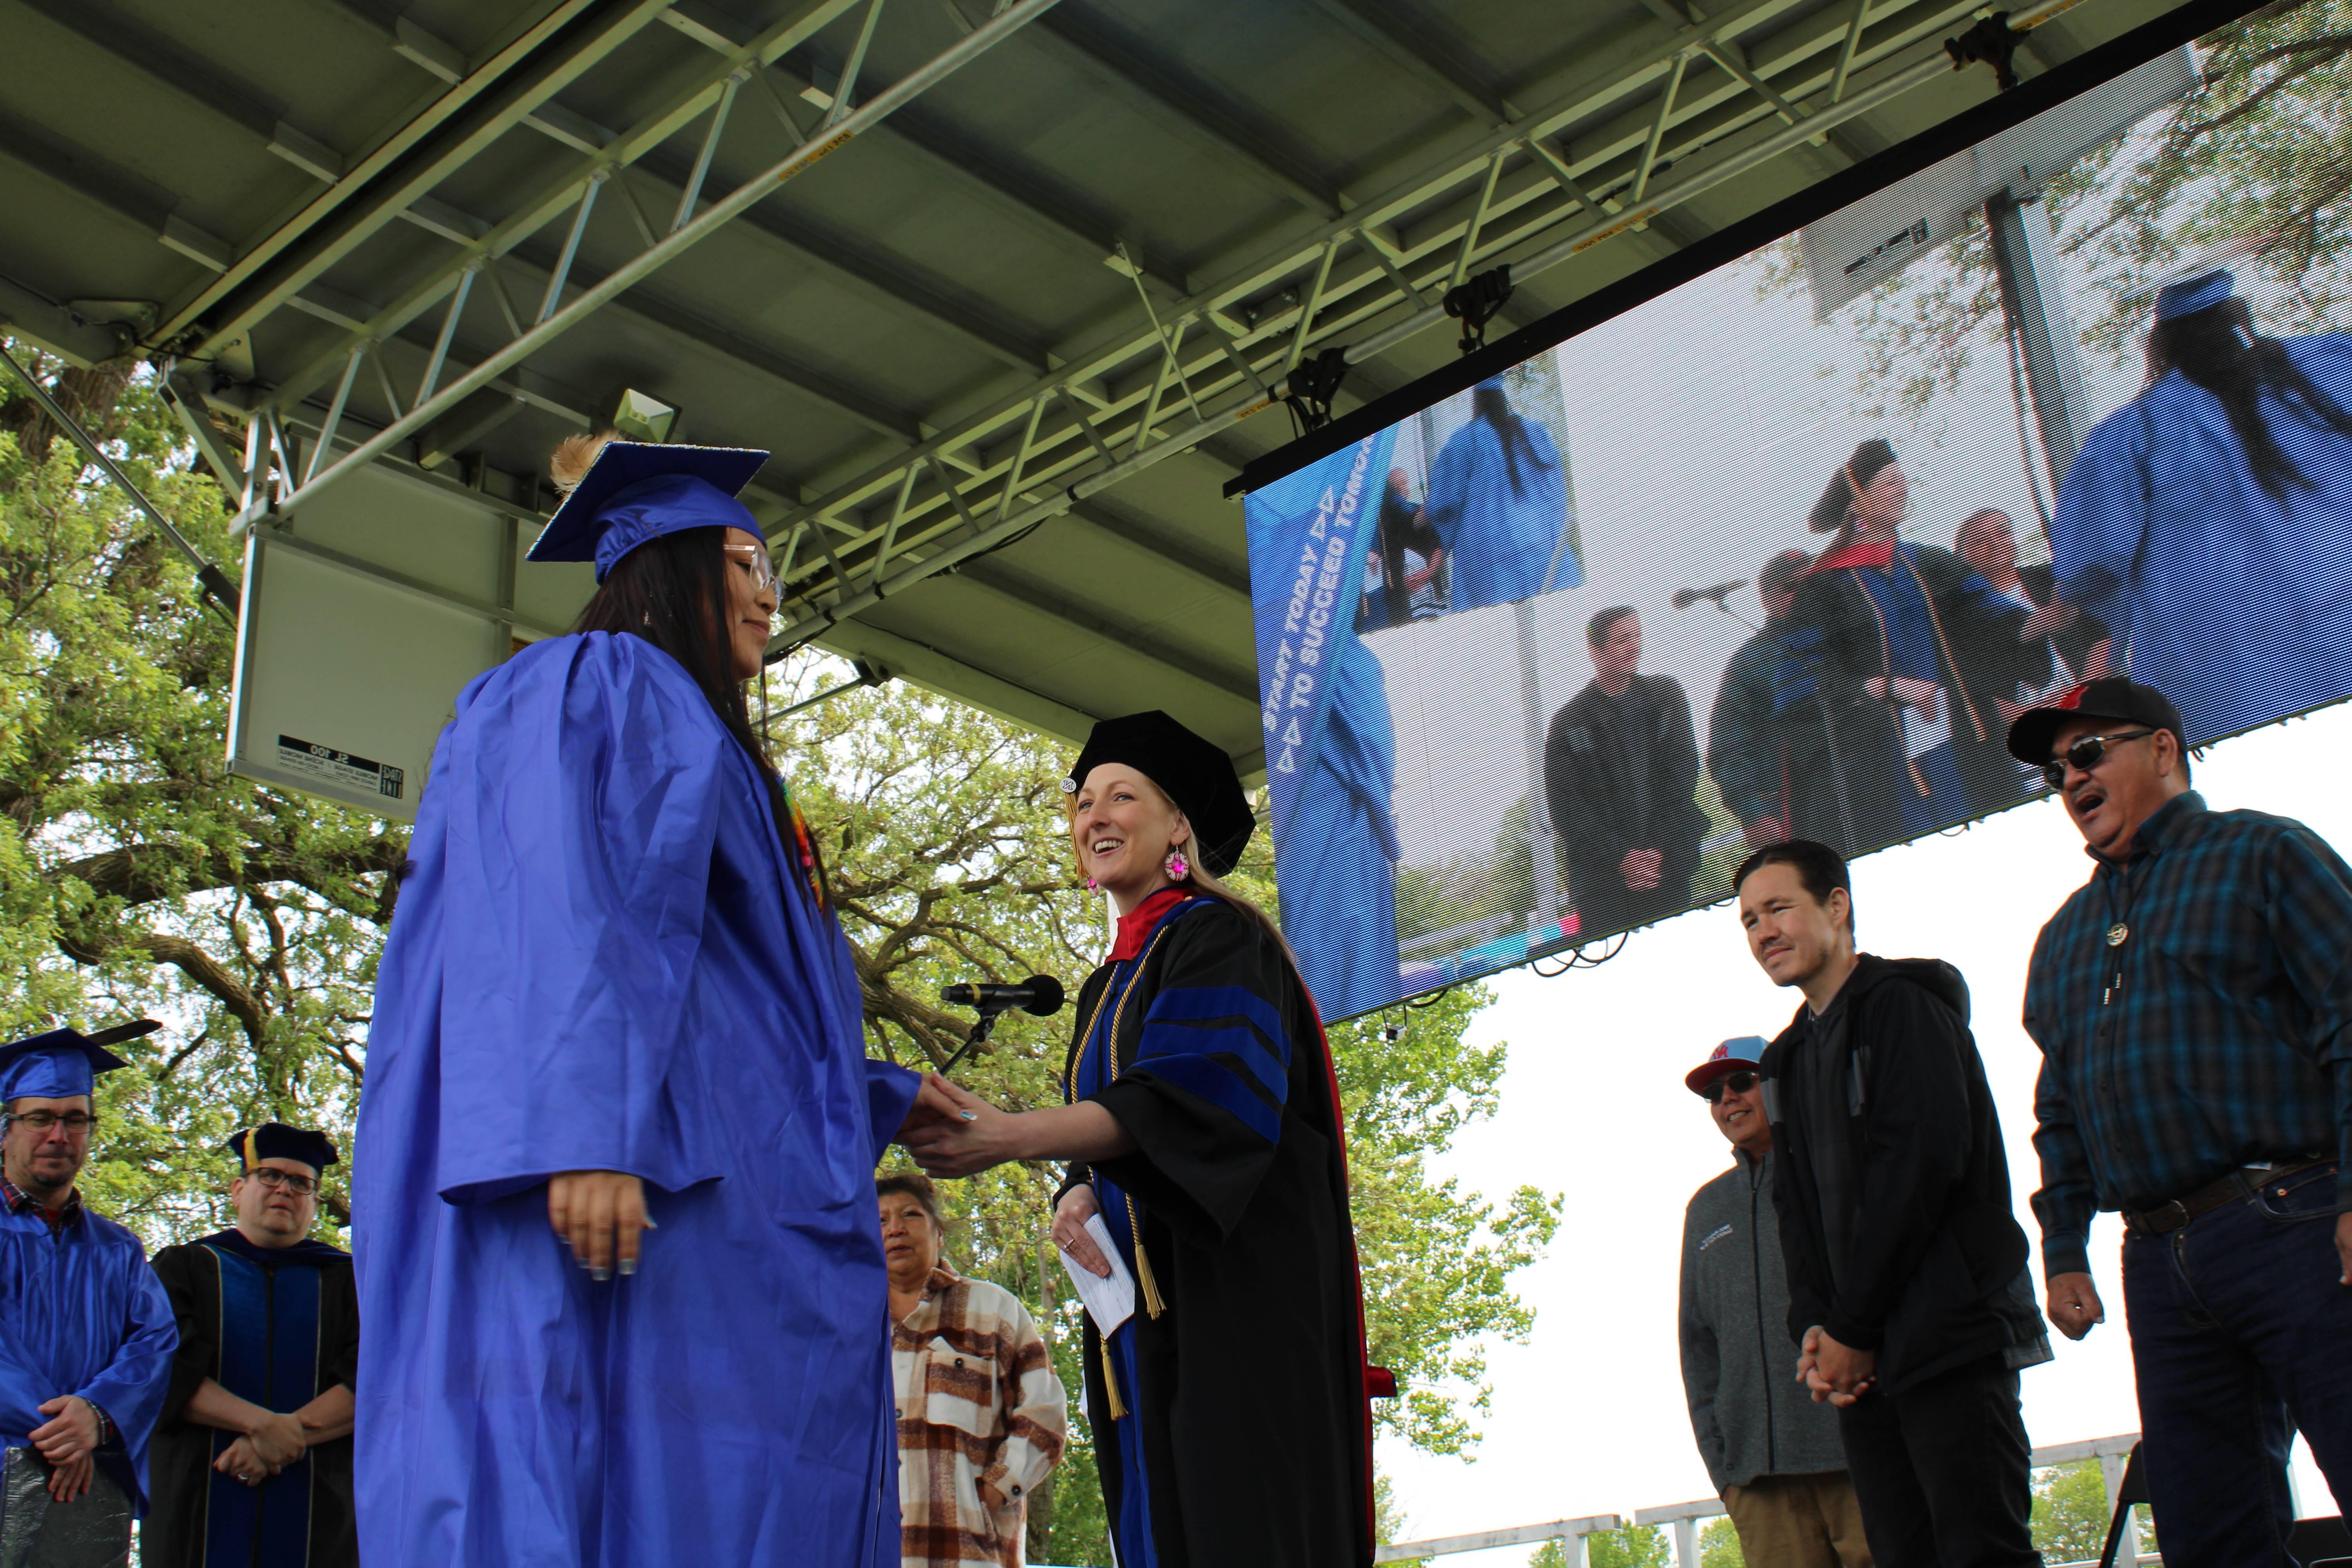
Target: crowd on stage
{"points": [[633, 1291]]}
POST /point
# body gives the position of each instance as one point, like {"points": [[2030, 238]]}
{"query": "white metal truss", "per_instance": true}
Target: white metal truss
{"points": [[1647, 123], [1039, 452]]}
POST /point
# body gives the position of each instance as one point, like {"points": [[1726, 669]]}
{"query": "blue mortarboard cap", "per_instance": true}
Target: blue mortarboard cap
{"points": [[277, 1141], [2190, 295], [635, 490], [63, 1063], [1492, 384]]}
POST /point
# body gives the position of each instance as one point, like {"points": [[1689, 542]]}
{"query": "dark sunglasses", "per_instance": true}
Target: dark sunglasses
{"points": [[1729, 1083], [2087, 753]]}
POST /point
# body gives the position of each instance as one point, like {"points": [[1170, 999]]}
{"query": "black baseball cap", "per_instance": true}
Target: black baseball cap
{"points": [[2117, 696]]}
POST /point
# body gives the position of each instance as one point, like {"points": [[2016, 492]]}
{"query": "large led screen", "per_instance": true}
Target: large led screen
{"points": [[1780, 552]]}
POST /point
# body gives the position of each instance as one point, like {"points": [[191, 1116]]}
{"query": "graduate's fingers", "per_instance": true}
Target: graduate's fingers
{"points": [[628, 1225], [559, 1204], [592, 1228]]}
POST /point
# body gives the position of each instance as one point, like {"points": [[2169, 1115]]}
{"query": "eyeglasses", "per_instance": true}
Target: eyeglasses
{"points": [[754, 559], [2087, 753], [271, 1177], [1730, 1083], [76, 1121]]}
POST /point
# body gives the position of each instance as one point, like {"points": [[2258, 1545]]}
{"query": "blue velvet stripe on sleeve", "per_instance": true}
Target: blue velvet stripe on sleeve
{"points": [[1225, 1044]]}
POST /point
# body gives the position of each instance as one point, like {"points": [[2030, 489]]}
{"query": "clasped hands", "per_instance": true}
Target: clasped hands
{"points": [[67, 1440], [1835, 1373], [276, 1441]]}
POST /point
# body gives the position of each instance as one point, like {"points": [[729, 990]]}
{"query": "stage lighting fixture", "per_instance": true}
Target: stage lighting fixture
{"points": [[642, 418]]}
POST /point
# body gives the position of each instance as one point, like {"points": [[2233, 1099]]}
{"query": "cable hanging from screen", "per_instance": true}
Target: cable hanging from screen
{"points": [[1579, 959]]}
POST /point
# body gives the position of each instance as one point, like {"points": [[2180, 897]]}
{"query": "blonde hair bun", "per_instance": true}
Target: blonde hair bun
{"points": [[573, 457]]}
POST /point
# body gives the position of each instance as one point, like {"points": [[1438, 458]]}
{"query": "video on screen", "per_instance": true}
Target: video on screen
{"points": [[1782, 551]]}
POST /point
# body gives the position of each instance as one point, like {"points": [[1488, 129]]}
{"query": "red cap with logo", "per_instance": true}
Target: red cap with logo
{"points": [[1741, 1055]]}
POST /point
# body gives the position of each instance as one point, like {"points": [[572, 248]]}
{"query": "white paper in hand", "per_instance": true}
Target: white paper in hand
{"points": [[1111, 1301]]}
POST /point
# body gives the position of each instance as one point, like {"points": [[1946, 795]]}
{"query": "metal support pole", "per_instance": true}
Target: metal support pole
{"points": [[2025, 261], [849, 72], [2111, 1471], [218, 590], [1658, 129], [898, 515], [1479, 216], [563, 273], [1685, 1543], [383, 382], [448, 333], [1543, 920], [693, 192], [335, 411], [1846, 51], [1388, 266], [1021, 459], [1307, 305]]}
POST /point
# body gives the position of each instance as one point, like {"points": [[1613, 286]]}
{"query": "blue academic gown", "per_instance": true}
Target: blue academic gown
{"points": [[1500, 536], [80, 1313], [2234, 603], [1339, 852], [604, 959]]}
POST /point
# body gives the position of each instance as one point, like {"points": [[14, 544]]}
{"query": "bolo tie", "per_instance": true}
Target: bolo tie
{"points": [[2118, 929]]}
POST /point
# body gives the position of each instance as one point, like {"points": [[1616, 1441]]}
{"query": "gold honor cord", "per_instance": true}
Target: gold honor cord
{"points": [[1152, 1304]]}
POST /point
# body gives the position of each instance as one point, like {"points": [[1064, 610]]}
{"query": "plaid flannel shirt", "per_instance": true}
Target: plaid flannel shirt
{"points": [[2217, 1035], [978, 1401]]}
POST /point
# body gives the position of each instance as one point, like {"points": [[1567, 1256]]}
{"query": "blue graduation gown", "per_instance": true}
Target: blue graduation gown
{"points": [[604, 959], [2234, 603], [1339, 846], [80, 1313], [1500, 536]]}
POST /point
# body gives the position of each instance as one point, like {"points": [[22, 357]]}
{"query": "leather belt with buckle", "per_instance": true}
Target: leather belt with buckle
{"points": [[2230, 1188]]}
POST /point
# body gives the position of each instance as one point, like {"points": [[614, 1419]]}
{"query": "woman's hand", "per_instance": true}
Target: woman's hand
{"points": [[1924, 695], [979, 1135], [1070, 1216], [602, 1215]]}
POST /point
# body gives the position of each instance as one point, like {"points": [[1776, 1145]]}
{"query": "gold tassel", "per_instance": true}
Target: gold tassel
{"points": [[1152, 1304], [1110, 1384]]}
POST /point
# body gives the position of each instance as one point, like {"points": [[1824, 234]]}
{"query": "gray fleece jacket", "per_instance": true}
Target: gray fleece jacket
{"points": [[1739, 1367]]}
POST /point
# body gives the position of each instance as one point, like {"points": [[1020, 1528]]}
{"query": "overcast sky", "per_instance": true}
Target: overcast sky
{"points": [[1588, 1415]]}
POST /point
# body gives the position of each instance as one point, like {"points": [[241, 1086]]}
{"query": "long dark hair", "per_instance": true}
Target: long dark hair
{"points": [[1488, 403], [672, 591], [2217, 349]]}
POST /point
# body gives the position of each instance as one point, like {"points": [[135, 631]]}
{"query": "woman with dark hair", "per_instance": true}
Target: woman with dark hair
{"points": [[1204, 1141], [1895, 651], [2209, 521], [616, 997], [1498, 501]]}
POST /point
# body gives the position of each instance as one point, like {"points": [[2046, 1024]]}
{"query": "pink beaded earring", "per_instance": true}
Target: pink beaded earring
{"points": [[1092, 886], [1175, 866]]}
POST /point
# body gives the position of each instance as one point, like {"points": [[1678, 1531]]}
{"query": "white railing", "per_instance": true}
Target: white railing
{"points": [[1683, 1518]]}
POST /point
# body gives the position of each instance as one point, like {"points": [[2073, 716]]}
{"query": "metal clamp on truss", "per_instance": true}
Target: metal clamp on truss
{"points": [[1311, 387], [1475, 303], [1990, 42]]}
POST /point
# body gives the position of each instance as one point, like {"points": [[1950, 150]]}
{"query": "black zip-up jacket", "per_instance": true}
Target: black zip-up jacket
{"points": [[1894, 1195]]}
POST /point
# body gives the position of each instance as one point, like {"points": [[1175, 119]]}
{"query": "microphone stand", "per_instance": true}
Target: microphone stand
{"points": [[989, 1013]]}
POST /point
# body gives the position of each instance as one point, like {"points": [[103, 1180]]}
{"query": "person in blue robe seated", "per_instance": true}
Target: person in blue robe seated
{"points": [[1203, 1137], [252, 1464], [611, 1199], [87, 1330], [1498, 498], [2209, 521], [1897, 651]]}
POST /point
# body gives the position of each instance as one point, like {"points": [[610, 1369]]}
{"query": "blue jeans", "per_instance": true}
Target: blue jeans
{"points": [[2241, 1336]]}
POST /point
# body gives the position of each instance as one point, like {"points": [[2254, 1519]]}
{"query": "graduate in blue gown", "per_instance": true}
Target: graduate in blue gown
{"points": [[613, 1204], [2209, 521], [1497, 497], [1204, 1132], [85, 1333], [1340, 856]]}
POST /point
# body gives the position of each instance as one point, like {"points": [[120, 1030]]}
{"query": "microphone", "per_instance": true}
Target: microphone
{"points": [[1040, 993], [1685, 598]]}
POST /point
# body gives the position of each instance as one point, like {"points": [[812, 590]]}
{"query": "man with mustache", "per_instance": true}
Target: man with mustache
{"points": [[2193, 1004]]}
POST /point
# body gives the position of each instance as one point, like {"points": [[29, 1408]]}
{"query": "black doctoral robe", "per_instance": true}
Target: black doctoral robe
{"points": [[278, 1327], [1256, 1433]]}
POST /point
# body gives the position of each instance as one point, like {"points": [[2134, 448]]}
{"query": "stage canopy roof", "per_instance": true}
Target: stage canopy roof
{"points": [[1004, 293]]}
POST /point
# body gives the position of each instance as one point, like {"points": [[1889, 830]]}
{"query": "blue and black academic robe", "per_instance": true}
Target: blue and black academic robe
{"points": [[277, 1326], [1229, 1414]]}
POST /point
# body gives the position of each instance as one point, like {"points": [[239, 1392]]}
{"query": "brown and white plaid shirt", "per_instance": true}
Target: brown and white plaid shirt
{"points": [[978, 1401]]}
